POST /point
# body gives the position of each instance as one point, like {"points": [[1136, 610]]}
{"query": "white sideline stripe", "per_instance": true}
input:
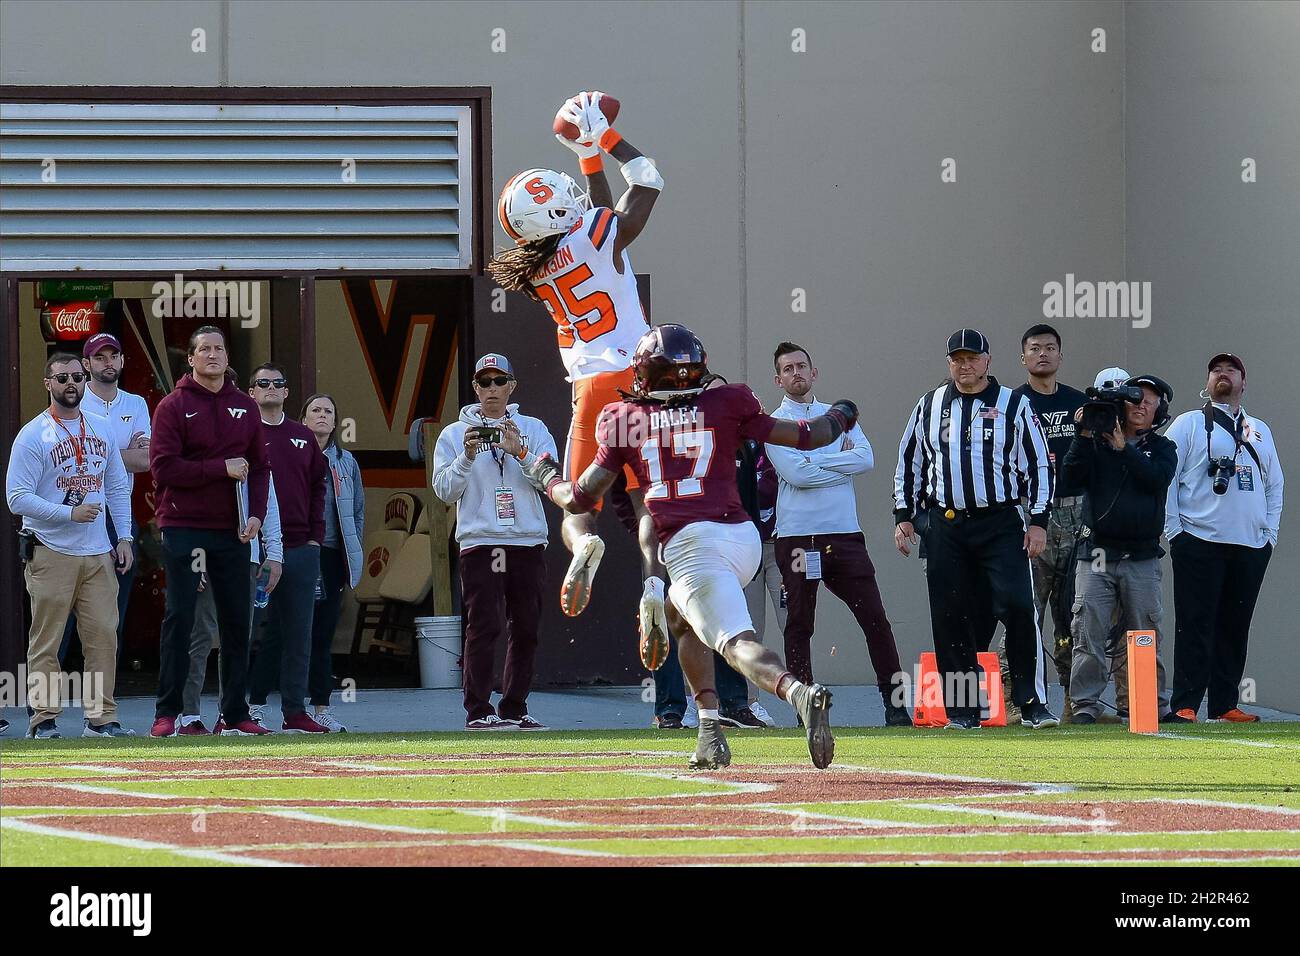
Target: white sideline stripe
{"points": [[306, 817], [1015, 815], [133, 844], [1225, 740]]}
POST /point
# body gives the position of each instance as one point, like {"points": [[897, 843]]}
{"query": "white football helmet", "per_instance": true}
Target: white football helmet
{"points": [[540, 202]]}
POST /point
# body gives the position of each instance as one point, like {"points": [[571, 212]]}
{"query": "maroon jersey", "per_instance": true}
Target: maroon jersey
{"points": [[685, 457]]}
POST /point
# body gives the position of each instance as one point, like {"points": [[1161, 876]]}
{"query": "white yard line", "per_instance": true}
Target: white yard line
{"points": [[922, 775], [307, 817], [129, 843], [1285, 811], [1042, 818]]}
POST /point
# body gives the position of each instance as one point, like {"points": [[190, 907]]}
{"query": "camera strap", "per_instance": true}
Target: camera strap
{"points": [[1213, 415]]}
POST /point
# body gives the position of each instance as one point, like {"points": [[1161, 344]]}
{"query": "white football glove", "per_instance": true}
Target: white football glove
{"points": [[583, 147], [594, 124]]}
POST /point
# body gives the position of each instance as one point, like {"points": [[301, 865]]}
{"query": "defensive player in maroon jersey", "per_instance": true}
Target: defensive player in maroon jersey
{"points": [[679, 431]]}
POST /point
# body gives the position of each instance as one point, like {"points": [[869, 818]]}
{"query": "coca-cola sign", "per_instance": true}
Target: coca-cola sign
{"points": [[71, 321]]}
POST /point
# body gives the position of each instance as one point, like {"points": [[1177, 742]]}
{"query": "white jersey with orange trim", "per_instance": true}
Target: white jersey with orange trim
{"points": [[596, 308]]}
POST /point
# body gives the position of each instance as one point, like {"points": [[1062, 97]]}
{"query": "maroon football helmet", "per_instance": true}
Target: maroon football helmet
{"points": [[669, 362]]}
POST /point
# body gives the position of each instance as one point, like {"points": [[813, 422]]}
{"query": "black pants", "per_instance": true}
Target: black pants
{"points": [[500, 584], [187, 551], [284, 653], [334, 578], [1215, 588], [971, 560]]}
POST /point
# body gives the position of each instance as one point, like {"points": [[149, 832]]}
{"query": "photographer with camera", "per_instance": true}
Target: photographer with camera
{"points": [[501, 530], [1221, 518], [1125, 469]]}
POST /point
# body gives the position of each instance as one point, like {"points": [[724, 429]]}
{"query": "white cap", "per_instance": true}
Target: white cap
{"points": [[1111, 377]]}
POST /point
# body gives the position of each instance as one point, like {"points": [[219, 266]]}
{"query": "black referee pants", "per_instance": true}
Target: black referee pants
{"points": [[972, 560]]}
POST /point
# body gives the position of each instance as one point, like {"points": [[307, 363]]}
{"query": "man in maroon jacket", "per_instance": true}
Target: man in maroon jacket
{"points": [[207, 438], [299, 469]]}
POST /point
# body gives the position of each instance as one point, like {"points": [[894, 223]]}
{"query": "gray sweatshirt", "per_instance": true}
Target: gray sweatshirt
{"points": [[472, 485], [46, 481]]}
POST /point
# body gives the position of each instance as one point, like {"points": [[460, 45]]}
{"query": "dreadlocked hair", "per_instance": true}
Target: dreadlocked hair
{"points": [[514, 268]]}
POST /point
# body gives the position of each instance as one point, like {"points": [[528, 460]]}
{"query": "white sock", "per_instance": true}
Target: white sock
{"points": [[655, 586], [187, 719], [708, 714], [793, 686]]}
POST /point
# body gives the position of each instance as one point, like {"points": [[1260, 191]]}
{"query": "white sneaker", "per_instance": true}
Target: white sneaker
{"points": [[256, 712], [759, 711], [576, 590], [329, 722], [691, 718], [654, 625]]}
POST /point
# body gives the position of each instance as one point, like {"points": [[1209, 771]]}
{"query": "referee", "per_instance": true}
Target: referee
{"points": [[969, 448]]}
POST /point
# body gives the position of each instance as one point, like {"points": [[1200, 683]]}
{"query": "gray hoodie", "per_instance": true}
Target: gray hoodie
{"points": [[472, 485]]}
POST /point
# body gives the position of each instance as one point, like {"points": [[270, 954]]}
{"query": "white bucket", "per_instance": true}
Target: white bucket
{"points": [[440, 649]]}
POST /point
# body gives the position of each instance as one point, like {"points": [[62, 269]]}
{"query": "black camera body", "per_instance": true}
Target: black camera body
{"points": [[1105, 407], [488, 433], [1221, 471]]}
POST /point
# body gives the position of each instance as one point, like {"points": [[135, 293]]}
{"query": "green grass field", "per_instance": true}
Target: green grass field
{"points": [[1205, 795]]}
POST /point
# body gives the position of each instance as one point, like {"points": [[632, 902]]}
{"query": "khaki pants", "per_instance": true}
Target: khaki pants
{"points": [[60, 584]]}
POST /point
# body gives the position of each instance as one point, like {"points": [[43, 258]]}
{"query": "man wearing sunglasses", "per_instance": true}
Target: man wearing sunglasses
{"points": [[65, 466], [299, 470], [501, 530]]}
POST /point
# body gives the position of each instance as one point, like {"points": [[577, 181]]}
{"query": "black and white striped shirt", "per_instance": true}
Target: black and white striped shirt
{"points": [[973, 451]]}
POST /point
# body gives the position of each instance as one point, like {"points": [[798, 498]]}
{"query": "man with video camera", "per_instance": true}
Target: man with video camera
{"points": [[1125, 469], [1221, 519]]}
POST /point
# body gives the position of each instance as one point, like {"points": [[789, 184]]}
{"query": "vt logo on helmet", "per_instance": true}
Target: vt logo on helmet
{"points": [[540, 202], [669, 362]]}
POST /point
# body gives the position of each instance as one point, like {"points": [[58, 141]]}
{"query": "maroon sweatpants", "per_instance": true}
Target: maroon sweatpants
{"points": [[500, 584], [851, 577]]}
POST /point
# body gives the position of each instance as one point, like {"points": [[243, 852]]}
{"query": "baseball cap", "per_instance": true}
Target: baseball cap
{"points": [[1160, 385], [104, 340], [496, 361], [1110, 377], [1235, 360], [968, 340]]}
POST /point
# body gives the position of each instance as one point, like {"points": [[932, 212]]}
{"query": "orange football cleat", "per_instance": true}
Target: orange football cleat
{"points": [[1188, 714]]}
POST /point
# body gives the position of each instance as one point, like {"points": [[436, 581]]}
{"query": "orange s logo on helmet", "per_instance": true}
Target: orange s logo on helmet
{"points": [[540, 192]]}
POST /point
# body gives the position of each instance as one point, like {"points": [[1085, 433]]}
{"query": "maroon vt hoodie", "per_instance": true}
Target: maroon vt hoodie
{"points": [[299, 469], [194, 432]]}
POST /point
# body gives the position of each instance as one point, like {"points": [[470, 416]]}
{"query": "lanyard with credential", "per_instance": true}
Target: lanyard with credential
{"points": [[78, 444]]}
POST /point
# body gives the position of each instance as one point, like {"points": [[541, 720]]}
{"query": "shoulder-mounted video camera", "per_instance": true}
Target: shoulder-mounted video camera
{"points": [[1105, 407]]}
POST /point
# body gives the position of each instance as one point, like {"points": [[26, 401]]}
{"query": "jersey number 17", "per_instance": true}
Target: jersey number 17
{"points": [[696, 445]]}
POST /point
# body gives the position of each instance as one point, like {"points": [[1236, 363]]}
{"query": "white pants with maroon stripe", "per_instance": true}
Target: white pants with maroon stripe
{"points": [[709, 564]]}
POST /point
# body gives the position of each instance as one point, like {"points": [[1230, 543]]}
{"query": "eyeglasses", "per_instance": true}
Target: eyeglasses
{"points": [[497, 380], [62, 377], [270, 383]]}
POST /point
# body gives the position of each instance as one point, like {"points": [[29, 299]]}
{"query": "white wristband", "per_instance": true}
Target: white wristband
{"points": [[642, 172]]}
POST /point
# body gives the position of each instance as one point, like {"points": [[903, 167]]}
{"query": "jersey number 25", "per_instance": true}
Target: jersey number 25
{"points": [[697, 445], [567, 307]]}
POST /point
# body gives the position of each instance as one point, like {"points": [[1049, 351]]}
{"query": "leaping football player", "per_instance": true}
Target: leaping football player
{"points": [[680, 433], [571, 255]]}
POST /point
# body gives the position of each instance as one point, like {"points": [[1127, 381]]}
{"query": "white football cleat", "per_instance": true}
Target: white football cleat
{"points": [[654, 625], [576, 590]]}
